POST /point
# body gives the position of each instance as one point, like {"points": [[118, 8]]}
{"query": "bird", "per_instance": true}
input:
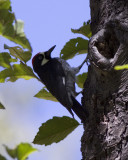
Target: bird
{"points": [[59, 78]]}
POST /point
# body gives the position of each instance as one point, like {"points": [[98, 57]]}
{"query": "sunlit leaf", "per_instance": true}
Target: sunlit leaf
{"points": [[21, 152], [74, 47], [2, 158], [5, 60], [55, 130], [9, 29], [81, 79], [85, 30], [19, 53], [121, 67], [1, 106], [19, 28], [15, 72], [24, 150], [44, 94]]}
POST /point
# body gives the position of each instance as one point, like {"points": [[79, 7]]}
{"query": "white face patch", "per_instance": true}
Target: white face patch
{"points": [[44, 61], [63, 79]]}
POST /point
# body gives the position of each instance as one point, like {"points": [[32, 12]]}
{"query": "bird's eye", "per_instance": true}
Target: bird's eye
{"points": [[40, 57]]}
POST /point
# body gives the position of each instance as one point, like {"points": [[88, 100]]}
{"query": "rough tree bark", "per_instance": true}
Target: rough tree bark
{"points": [[105, 93]]}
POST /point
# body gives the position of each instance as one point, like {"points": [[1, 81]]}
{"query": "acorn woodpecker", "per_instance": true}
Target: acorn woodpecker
{"points": [[59, 78]]}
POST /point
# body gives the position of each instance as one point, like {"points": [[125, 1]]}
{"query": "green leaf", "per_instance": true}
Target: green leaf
{"points": [[5, 60], [9, 29], [73, 47], [44, 94], [121, 67], [19, 53], [2, 158], [17, 71], [19, 28], [11, 152], [81, 79], [22, 151], [6, 20], [55, 130], [4, 4], [84, 30], [1, 106]]}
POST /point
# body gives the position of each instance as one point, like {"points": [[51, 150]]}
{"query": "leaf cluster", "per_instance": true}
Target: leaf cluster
{"points": [[13, 64], [11, 28]]}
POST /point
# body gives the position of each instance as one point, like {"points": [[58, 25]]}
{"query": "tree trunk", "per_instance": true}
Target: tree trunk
{"points": [[105, 93]]}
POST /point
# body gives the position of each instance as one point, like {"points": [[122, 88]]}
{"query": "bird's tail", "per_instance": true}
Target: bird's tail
{"points": [[77, 108]]}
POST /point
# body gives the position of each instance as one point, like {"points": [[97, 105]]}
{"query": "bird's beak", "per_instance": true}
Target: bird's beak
{"points": [[51, 49]]}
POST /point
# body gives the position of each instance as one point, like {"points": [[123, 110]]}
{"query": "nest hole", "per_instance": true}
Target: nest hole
{"points": [[109, 45]]}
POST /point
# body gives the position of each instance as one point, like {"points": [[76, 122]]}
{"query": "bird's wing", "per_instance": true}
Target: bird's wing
{"points": [[70, 77], [53, 77]]}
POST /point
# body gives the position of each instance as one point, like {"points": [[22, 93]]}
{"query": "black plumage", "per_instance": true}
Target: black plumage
{"points": [[59, 78]]}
